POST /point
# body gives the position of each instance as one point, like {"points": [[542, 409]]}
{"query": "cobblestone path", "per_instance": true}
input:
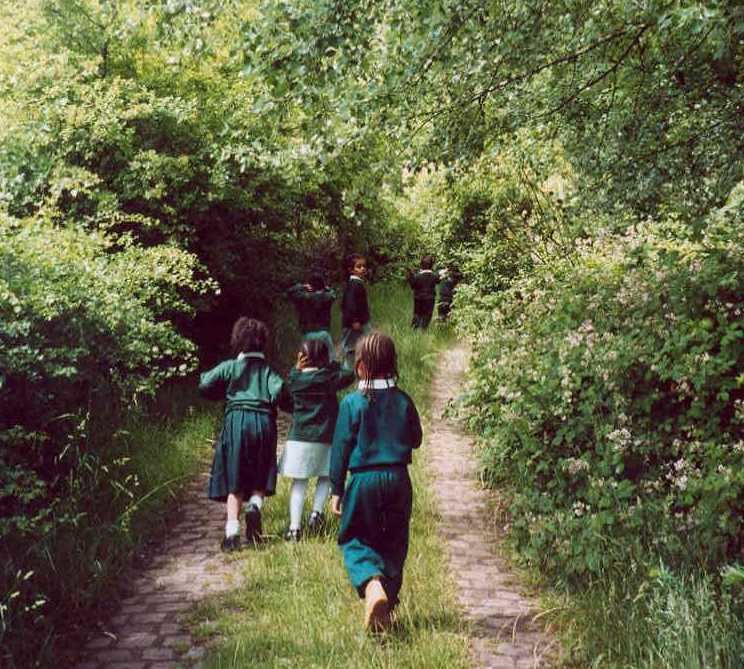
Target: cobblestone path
{"points": [[146, 632], [504, 633]]}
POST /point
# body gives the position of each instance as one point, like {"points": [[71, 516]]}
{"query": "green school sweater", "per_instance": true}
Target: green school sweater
{"points": [[424, 284], [373, 432], [313, 307], [314, 401], [246, 382], [354, 305]]}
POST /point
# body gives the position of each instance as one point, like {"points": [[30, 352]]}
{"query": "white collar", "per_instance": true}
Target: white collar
{"points": [[377, 384], [358, 278], [425, 271], [310, 369], [252, 354]]}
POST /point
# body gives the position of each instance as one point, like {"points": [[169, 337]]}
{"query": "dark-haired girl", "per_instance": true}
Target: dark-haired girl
{"points": [[244, 465], [312, 384], [377, 429]]}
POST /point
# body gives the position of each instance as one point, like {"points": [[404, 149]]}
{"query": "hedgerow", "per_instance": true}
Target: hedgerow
{"points": [[607, 387]]}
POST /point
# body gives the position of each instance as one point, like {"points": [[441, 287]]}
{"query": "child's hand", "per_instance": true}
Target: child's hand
{"points": [[335, 505], [302, 360]]}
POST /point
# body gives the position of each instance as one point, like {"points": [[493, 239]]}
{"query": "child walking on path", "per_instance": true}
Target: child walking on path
{"points": [[377, 429], [312, 385], [244, 464], [424, 284], [313, 301], [448, 281], [354, 306]]}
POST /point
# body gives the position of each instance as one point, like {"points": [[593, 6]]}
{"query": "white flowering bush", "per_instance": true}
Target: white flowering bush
{"points": [[608, 389]]}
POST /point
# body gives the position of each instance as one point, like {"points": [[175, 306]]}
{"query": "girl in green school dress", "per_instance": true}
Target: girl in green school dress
{"points": [[312, 385], [377, 429], [244, 464]]}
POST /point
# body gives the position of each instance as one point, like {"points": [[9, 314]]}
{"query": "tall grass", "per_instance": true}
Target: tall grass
{"points": [[118, 496], [652, 618], [295, 607]]}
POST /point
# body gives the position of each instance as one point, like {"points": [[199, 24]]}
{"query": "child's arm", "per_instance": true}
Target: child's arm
{"points": [[296, 291], [410, 277], [279, 392], [344, 439], [213, 384], [414, 426], [345, 376]]}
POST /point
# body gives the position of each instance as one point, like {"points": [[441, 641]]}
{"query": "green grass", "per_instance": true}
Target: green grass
{"points": [[651, 618], [295, 607]]}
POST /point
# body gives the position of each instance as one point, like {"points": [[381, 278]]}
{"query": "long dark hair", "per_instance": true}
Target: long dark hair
{"points": [[316, 352], [377, 352], [249, 336]]}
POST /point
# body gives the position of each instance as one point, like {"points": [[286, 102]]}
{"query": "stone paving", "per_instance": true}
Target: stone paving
{"points": [[504, 632], [146, 632], [188, 566]]}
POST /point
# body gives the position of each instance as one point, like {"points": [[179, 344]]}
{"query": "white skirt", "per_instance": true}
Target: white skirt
{"points": [[305, 459]]}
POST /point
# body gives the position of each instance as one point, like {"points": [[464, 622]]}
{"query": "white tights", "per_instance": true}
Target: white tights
{"points": [[297, 499]]}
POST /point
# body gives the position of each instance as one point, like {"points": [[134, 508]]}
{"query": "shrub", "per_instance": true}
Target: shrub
{"points": [[608, 388], [85, 335]]}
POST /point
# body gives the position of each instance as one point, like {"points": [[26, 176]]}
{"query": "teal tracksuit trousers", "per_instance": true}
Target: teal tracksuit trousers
{"points": [[374, 527]]}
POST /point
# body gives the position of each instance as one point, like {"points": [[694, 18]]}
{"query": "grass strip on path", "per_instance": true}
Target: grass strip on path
{"points": [[295, 606]]}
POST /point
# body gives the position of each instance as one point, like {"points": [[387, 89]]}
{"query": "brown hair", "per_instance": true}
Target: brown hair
{"points": [[351, 260], [316, 352], [427, 262], [249, 336], [377, 352]]}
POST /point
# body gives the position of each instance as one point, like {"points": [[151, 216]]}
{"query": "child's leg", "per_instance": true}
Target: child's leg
{"points": [[233, 505], [256, 499], [374, 529], [296, 503], [321, 493], [253, 525]]}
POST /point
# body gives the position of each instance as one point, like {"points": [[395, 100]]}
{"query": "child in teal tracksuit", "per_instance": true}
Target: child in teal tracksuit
{"points": [[312, 385], [244, 464], [377, 429]]}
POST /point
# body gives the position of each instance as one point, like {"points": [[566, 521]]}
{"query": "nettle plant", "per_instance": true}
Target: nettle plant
{"points": [[85, 335], [608, 391]]}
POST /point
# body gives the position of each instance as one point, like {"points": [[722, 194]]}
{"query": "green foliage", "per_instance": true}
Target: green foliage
{"points": [[608, 390], [85, 336]]}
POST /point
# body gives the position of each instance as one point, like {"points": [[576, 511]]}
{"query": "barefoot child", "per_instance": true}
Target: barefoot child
{"points": [[312, 385], [244, 462], [313, 301], [377, 429], [354, 306]]}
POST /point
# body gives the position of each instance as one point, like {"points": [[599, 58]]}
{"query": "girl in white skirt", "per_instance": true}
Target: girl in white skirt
{"points": [[312, 384]]}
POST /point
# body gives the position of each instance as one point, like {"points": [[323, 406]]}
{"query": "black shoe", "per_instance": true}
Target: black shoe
{"points": [[293, 535], [315, 523], [230, 544], [252, 524]]}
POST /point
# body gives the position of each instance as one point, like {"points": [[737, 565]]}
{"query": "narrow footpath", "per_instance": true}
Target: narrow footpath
{"points": [[147, 631], [504, 634]]}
